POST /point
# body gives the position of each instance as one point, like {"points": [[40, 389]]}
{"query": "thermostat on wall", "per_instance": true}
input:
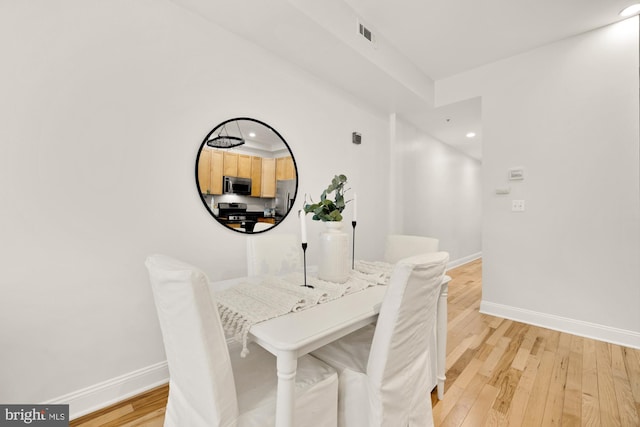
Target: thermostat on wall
{"points": [[356, 138], [516, 174]]}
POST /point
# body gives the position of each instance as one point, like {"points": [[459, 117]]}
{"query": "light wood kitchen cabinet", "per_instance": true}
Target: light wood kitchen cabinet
{"points": [[237, 165], [204, 171], [217, 164], [230, 164], [268, 184], [210, 171], [290, 168], [285, 168], [244, 166], [256, 176]]}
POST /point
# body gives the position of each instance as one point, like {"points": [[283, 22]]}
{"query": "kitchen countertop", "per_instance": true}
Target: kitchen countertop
{"points": [[262, 215]]}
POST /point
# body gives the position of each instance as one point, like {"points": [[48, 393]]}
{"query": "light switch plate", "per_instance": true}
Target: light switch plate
{"points": [[517, 205]]}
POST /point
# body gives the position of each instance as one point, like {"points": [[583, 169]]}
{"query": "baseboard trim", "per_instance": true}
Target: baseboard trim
{"points": [[460, 261], [594, 331], [101, 395]]}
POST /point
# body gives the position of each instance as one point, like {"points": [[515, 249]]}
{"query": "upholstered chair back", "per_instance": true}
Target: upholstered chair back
{"points": [[399, 246], [201, 385], [397, 368]]}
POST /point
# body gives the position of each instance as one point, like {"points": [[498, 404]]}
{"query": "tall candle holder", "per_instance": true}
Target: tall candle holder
{"points": [[353, 249], [304, 260]]}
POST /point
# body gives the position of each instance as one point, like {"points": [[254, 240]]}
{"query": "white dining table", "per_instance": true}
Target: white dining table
{"points": [[295, 334]]}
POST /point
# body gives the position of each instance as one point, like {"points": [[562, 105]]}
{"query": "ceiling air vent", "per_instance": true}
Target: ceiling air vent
{"points": [[366, 33]]}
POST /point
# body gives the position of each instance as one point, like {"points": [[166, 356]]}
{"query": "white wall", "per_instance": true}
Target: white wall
{"points": [[568, 113], [104, 106], [439, 193]]}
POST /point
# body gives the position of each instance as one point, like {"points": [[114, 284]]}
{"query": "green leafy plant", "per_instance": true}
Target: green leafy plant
{"points": [[327, 209]]}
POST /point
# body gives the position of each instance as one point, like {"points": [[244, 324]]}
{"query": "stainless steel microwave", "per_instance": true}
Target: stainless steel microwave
{"points": [[235, 185]]}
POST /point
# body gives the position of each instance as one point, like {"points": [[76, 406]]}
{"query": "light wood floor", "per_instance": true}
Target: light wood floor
{"points": [[499, 373]]}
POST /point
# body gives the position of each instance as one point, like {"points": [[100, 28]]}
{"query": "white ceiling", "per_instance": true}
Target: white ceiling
{"points": [[418, 42], [445, 37]]}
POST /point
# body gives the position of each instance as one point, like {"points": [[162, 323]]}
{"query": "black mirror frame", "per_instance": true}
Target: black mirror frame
{"points": [[204, 202]]}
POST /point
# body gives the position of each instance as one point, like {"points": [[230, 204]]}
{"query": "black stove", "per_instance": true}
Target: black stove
{"points": [[236, 213], [233, 211]]}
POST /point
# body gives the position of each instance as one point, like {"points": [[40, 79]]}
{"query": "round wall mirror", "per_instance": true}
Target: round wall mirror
{"points": [[246, 175]]}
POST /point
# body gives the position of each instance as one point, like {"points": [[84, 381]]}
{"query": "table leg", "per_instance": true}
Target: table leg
{"points": [[441, 337], [287, 363]]}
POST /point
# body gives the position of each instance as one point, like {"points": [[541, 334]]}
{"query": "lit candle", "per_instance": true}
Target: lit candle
{"points": [[303, 226], [355, 207]]}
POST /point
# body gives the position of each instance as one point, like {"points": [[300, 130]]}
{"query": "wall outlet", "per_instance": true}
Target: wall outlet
{"points": [[517, 206]]}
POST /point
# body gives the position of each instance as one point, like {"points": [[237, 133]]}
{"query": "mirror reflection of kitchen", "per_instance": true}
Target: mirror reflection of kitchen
{"points": [[246, 175]]}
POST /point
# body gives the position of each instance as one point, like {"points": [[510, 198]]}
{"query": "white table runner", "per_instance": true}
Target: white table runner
{"points": [[246, 304]]}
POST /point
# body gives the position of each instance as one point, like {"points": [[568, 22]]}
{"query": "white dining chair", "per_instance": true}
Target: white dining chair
{"points": [[273, 254], [262, 226], [209, 383], [399, 246], [384, 369]]}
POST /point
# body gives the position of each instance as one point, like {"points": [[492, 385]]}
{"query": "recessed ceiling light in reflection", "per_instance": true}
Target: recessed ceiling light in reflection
{"points": [[631, 10], [252, 134], [471, 134]]}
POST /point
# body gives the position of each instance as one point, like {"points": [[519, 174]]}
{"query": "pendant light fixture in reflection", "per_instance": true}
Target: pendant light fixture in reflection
{"points": [[224, 140]]}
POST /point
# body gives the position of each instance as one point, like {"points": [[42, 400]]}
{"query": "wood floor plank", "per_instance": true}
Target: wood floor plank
{"points": [[458, 351], [515, 334], [572, 410], [499, 373], [480, 409], [507, 388], [632, 365], [522, 393], [499, 332], [552, 339], [473, 323], [609, 413], [590, 396], [538, 398], [496, 419], [624, 396], [522, 355], [491, 362], [137, 408], [152, 419], [484, 350], [465, 317], [460, 365], [479, 338], [555, 395], [453, 394], [101, 420], [461, 409], [496, 322]]}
